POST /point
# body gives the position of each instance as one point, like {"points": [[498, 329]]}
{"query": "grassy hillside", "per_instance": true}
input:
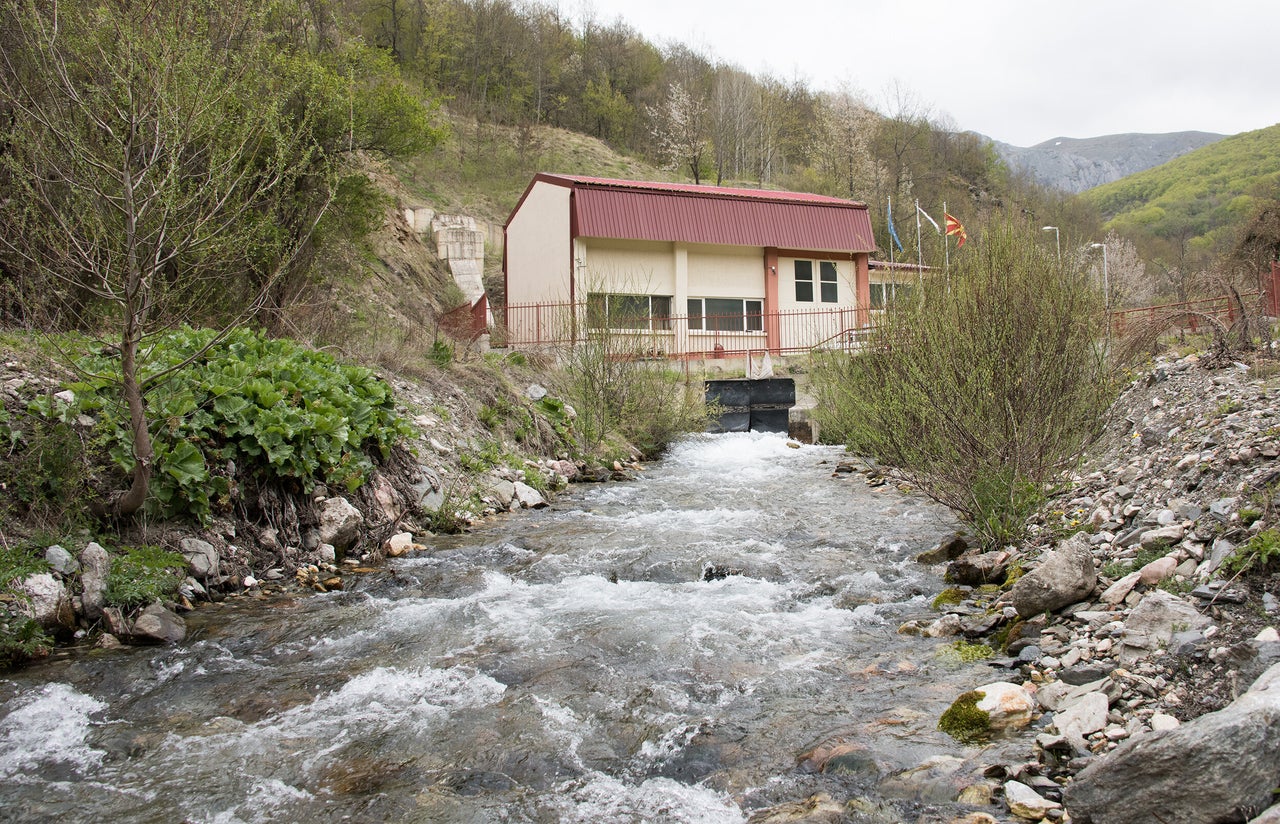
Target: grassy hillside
{"points": [[1200, 199]]}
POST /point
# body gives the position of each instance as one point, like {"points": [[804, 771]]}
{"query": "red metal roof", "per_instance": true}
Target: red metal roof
{"points": [[637, 210]]}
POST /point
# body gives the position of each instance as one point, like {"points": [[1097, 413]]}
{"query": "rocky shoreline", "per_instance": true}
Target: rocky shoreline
{"points": [[1124, 635], [310, 540]]}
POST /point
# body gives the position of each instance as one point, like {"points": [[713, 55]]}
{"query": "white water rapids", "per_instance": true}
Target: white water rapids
{"points": [[570, 665]]}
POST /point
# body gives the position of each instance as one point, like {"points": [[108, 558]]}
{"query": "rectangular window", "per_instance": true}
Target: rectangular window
{"points": [[878, 295], [650, 312], [695, 313], [804, 281], [726, 314], [830, 286]]}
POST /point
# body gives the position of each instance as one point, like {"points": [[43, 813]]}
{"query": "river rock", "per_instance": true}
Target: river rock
{"points": [[61, 561], [1083, 716], [95, 564], [1065, 576], [428, 491], [157, 624], [1269, 816], [503, 492], [948, 550], [1214, 768], [529, 497], [1009, 705], [816, 809], [340, 523], [1025, 802], [1159, 569], [1153, 622], [399, 544], [978, 568], [203, 561], [47, 601]]}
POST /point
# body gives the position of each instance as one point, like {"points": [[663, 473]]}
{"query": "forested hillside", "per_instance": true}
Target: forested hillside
{"points": [[1193, 208], [464, 99]]}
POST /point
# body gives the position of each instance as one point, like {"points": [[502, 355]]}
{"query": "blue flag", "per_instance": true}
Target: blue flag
{"points": [[893, 233]]}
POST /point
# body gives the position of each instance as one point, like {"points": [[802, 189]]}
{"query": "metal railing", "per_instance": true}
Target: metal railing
{"points": [[550, 325], [1186, 314]]}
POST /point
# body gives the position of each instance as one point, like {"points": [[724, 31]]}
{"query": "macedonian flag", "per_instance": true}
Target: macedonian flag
{"points": [[954, 227]]}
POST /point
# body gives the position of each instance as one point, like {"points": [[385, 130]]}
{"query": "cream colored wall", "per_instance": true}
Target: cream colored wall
{"points": [[538, 249], [847, 291], [726, 272], [628, 267]]}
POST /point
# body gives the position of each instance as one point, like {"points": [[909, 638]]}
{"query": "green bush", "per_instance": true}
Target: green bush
{"points": [[21, 638], [142, 575], [617, 390], [981, 387], [1256, 555], [270, 409]]}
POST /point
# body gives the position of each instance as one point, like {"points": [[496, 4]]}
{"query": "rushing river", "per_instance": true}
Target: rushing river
{"points": [[662, 650]]}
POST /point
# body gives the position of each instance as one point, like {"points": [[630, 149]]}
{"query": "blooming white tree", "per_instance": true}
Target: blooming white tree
{"points": [[680, 129]]}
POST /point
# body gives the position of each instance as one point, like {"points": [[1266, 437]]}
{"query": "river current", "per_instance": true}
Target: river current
{"points": [[659, 650]]}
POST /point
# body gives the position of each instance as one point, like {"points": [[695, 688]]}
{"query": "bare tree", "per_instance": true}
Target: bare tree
{"points": [[732, 120], [147, 168]]}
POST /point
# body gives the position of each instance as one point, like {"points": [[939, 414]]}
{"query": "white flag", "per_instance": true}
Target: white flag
{"points": [[933, 222]]}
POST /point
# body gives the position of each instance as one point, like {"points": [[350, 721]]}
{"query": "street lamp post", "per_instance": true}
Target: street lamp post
{"points": [[1057, 239]]}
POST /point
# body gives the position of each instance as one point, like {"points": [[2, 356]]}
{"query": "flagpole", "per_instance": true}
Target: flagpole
{"points": [[919, 252], [890, 227], [946, 247]]}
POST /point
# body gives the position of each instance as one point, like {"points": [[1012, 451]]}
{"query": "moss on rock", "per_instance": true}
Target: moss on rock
{"points": [[964, 722]]}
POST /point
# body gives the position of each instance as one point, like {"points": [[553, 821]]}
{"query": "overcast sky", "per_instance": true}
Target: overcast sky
{"points": [[1020, 71]]}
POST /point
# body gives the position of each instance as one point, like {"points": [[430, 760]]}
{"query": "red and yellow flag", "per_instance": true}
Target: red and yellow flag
{"points": [[954, 227]]}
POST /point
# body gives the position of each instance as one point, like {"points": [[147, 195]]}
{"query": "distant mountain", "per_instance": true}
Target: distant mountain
{"points": [[1075, 164], [1200, 198]]}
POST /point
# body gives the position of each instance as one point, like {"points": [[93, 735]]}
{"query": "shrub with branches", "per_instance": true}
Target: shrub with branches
{"points": [[983, 387]]}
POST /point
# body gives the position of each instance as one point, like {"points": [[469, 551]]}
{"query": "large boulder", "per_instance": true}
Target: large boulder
{"points": [[340, 523], [159, 625], [47, 601], [1153, 622], [202, 558], [1220, 767], [95, 565], [974, 568], [1065, 576]]}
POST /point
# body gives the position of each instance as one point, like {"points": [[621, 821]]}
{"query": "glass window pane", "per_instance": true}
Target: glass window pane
{"points": [[804, 281], [629, 311], [755, 320], [830, 286], [695, 313], [724, 314], [596, 303], [877, 295], [660, 310]]}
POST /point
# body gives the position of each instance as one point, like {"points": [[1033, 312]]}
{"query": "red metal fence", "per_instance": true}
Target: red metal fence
{"points": [[543, 325], [1187, 314], [550, 325]]}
